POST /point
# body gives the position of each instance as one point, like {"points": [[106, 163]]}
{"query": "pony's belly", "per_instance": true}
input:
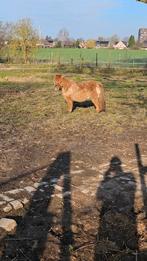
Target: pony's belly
{"points": [[80, 97]]}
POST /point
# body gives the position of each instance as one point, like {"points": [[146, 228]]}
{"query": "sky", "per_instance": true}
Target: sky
{"points": [[81, 18]]}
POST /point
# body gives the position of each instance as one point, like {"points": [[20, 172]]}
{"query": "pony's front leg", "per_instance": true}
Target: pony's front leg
{"points": [[69, 103]]}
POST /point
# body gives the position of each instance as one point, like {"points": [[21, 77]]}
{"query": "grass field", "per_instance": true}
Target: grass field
{"points": [[69, 55], [35, 98]]}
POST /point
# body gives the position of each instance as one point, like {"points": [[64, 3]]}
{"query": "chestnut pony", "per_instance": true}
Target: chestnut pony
{"points": [[80, 92]]}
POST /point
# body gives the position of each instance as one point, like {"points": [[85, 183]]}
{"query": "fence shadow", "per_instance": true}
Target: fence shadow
{"points": [[142, 172], [33, 229], [117, 233]]}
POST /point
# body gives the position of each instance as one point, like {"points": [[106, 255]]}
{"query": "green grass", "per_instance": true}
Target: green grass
{"points": [[89, 55], [105, 57], [36, 101]]}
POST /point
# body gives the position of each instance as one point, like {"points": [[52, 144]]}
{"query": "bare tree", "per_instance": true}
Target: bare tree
{"points": [[1, 34], [63, 36], [5, 33], [144, 1], [101, 38], [113, 39], [24, 37]]}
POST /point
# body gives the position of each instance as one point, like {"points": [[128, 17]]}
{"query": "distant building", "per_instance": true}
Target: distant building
{"points": [[120, 45], [46, 43], [68, 43], [103, 44], [142, 37], [82, 44]]}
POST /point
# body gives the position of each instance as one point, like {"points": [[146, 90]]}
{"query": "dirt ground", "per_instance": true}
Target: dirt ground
{"points": [[90, 204]]}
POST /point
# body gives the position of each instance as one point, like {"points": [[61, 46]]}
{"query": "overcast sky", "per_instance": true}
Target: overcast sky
{"points": [[82, 18]]}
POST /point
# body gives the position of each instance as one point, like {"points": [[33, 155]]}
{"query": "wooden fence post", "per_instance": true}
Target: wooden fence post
{"points": [[96, 60], [59, 61]]}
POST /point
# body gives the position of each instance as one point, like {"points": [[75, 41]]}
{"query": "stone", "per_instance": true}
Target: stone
{"points": [[94, 168], [73, 258], [87, 227], [24, 201], [105, 165], [141, 216], [9, 225], [93, 194], [125, 178], [36, 185], [6, 198], [44, 183], [14, 191], [85, 191], [77, 167], [30, 189], [74, 228], [58, 188], [54, 180], [67, 193], [7, 208], [2, 203], [41, 190], [79, 161], [46, 186], [59, 196], [132, 183], [77, 171], [16, 204]]}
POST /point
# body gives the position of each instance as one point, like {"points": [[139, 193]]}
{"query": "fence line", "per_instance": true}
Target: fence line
{"points": [[58, 61], [100, 66]]}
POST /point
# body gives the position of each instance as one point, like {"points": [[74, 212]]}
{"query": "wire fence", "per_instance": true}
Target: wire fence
{"points": [[95, 61]]}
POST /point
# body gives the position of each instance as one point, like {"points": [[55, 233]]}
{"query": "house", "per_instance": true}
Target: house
{"points": [[67, 43], [144, 45], [82, 44], [102, 44], [120, 45], [46, 43], [142, 37]]}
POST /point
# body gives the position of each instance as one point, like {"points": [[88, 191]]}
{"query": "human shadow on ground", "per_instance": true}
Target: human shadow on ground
{"points": [[34, 229], [117, 237]]}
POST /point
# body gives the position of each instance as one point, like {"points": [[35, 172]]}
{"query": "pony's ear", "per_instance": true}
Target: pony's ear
{"points": [[58, 80], [58, 76]]}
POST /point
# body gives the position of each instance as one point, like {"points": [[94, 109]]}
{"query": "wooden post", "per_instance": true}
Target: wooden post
{"points": [[80, 61], [59, 61], [96, 60]]}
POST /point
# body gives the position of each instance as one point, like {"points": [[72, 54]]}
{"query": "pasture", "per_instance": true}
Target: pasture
{"points": [[90, 167], [101, 56]]}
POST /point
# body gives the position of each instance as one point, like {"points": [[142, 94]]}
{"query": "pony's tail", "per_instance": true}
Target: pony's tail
{"points": [[101, 96]]}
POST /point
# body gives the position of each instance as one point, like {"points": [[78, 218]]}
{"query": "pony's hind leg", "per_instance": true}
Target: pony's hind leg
{"points": [[96, 103]]}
